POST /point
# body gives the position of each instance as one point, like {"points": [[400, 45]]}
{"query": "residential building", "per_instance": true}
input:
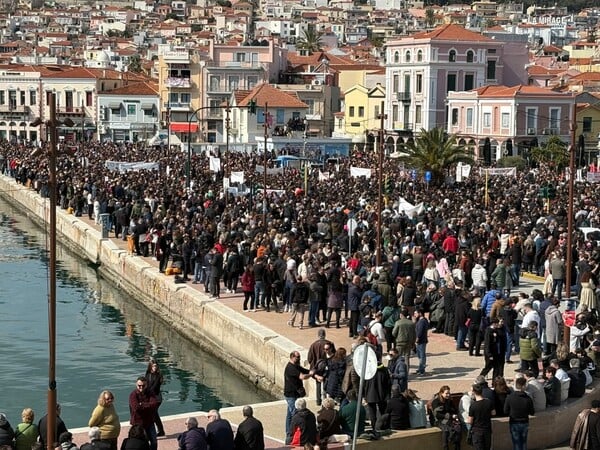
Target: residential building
{"points": [[285, 113], [423, 68], [509, 120], [361, 113], [588, 132], [129, 113]]}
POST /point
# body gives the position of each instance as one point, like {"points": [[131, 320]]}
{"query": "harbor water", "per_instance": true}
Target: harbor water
{"points": [[104, 338]]}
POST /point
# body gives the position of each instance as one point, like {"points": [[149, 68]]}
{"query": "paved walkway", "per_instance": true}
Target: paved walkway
{"points": [[445, 365]]}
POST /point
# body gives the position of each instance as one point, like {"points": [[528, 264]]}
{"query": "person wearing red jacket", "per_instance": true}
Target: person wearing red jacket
{"points": [[143, 406]]}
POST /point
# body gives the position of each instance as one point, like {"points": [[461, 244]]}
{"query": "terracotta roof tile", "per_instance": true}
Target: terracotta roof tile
{"points": [[274, 97], [451, 32], [509, 92], [143, 88]]}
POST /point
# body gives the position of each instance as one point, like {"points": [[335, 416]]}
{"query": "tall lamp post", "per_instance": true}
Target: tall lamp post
{"points": [[52, 125], [379, 150]]}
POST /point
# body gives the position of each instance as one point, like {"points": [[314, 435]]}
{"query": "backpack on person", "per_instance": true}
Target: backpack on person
{"points": [[370, 337]]}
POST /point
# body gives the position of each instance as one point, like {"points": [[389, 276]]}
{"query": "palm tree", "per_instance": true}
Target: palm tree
{"points": [[436, 152], [553, 152], [429, 17], [310, 41]]}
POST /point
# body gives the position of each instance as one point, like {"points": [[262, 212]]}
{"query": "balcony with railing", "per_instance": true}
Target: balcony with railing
{"points": [[178, 82], [404, 97], [70, 110], [177, 106], [14, 109]]}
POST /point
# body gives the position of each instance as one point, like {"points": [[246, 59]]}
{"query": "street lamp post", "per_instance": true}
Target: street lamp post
{"points": [[379, 149]]}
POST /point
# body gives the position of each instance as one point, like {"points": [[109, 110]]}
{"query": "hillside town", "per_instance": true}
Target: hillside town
{"points": [[317, 77]]}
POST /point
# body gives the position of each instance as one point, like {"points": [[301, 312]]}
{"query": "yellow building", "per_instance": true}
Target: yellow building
{"points": [[588, 126], [361, 110]]}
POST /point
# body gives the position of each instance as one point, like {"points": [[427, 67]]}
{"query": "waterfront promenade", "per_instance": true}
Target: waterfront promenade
{"points": [[445, 366]]}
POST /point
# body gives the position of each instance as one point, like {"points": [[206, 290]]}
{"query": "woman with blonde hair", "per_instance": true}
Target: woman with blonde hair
{"points": [[105, 417], [27, 432]]}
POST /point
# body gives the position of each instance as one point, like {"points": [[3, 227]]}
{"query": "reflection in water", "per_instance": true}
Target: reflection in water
{"points": [[104, 338]]}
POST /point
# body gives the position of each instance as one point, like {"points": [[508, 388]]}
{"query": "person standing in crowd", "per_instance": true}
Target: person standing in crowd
{"points": [[421, 340], [219, 434], [474, 318], [7, 434], [398, 370], [377, 391], [293, 388], [43, 427], [586, 431], [215, 260], [299, 295], [142, 408], [530, 349], [494, 349], [480, 419], [105, 417], [26, 433], [316, 353], [518, 407], [334, 294], [250, 433], [557, 270], [249, 288], [405, 334], [155, 381], [554, 326], [355, 293], [194, 438]]}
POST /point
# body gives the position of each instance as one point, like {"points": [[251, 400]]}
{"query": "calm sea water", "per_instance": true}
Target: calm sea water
{"points": [[104, 338]]}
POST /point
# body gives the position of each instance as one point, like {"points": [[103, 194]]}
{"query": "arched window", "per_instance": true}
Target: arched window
{"points": [[407, 56], [396, 57], [420, 55], [452, 56], [470, 56]]}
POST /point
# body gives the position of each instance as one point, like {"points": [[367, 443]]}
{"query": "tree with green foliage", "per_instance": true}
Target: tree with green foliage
{"points": [[310, 41], [429, 18], [435, 151], [135, 64], [553, 153], [512, 161]]}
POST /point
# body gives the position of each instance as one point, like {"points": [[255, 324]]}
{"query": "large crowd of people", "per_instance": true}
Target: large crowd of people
{"points": [[447, 265]]}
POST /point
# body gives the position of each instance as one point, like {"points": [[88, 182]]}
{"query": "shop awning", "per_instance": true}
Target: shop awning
{"points": [[147, 105], [184, 127], [114, 105]]}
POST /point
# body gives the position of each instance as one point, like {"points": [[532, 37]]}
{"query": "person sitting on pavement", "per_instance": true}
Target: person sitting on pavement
{"points": [[304, 425], [194, 438], [95, 442], [348, 414], [577, 377], [219, 434], [552, 387], [250, 433]]}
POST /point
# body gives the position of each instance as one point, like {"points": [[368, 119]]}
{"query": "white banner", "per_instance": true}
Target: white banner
{"points": [[237, 177], [593, 177], [270, 170], [360, 172], [323, 176], [214, 164], [506, 171], [408, 209], [135, 166]]}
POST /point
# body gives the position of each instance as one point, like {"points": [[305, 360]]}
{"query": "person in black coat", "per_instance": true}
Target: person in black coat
{"points": [[219, 434], [194, 438], [305, 420], [377, 391], [250, 433], [461, 311], [398, 410], [7, 433], [495, 349], [136, 439], [43, 427]]}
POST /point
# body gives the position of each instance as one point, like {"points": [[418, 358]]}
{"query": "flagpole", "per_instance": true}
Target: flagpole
{"points": [[486, 199]]}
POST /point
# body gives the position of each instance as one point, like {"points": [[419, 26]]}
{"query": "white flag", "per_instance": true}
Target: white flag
{"points": [[360, 172], [214, 164], [237, 177]]}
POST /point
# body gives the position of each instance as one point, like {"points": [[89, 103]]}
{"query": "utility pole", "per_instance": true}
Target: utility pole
{"points": [[51, 424], [569, 256], [382, 118], [266, 125]]}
